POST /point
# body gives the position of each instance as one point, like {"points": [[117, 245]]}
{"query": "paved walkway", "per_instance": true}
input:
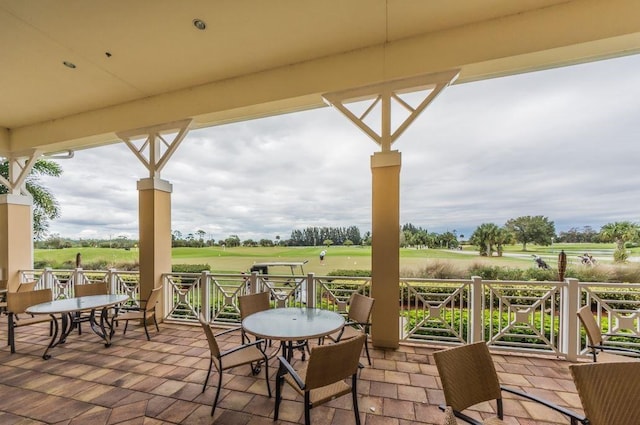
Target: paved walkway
{"points": [[160, 382]]}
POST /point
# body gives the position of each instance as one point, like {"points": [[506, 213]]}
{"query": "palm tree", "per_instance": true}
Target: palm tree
{"points": [[45, 206], [619, 232], [485, 238], [502, 238]]}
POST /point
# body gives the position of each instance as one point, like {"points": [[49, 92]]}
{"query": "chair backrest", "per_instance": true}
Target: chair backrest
{"points": [[468, 375], [590, 325], [334, 362], [17, 302], [153, 298], [253, 303], [27, 286], [360, 308], [211, 339], [609, 392], [90, 289]]}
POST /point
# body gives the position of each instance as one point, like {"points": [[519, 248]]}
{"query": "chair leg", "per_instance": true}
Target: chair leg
{"points": [[307, 408], [266, 374], [78, 323], [11, 331], [354, 393], [215, 401], [146, 331], [155, 321], [126, 323], [366, 350], [204, 387], [279, 382]]}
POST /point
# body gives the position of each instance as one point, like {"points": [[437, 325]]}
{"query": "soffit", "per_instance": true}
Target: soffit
{"points": [[155, 49]]}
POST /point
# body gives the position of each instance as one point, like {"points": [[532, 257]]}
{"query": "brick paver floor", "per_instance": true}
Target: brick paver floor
{"points": [[136, 381]]}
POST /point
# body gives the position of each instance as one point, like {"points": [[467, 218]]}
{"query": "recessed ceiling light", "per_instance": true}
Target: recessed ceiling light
{"points": [[69, 64], [199, 24]]}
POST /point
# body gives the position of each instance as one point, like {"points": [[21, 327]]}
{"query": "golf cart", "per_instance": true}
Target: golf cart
{"points": [[280, 284]]}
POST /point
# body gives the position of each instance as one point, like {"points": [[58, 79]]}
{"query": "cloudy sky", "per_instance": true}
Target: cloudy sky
{"points": [[562, 143]]}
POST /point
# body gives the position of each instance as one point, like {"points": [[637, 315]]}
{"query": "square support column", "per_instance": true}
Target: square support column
{"points": [[16, 237], [385, 248], [154, 199]]}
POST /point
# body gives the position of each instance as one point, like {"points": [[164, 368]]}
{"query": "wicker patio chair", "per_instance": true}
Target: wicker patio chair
{"points": [[146, 311], [22, 287], [469, 377], [598, 345], [609, 392], [244, 354], [3, 295], [17, 303], [252, 303], [27, 286], [86, 290], [358, 321], [323, 377]]}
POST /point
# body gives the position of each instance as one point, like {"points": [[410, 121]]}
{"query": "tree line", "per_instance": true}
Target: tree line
{"points": [[490, 238]]}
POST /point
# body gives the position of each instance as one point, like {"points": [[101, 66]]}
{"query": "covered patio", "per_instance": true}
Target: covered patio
{"points": [[136, 381], [82, 75]]}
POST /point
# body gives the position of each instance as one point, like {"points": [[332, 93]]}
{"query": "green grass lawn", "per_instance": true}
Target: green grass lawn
{"points": [[235, 260]]}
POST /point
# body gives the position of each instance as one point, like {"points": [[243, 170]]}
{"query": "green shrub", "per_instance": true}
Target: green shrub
{"points": [[350, 273], [620, 255], [190, 268]]}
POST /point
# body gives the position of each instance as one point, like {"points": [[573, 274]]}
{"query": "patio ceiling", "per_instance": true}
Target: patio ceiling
{"points": [[141, 63]]}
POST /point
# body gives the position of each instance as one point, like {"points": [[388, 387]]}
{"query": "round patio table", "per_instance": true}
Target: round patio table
{"points": [[292, 324], [67, 308]]}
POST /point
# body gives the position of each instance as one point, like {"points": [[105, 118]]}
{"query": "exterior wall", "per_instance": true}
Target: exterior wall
{"points": [[154, 200]]}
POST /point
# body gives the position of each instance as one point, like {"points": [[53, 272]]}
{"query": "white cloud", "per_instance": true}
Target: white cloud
{"points": [[560, 143]]}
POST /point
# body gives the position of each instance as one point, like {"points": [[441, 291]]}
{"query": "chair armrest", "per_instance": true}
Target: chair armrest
{"points": [[241, 347], [284, 364], [570, 413], [630, 352], [227, 331]]}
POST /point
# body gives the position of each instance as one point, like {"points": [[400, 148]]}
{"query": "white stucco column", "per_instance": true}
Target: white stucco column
{"points": [[16, 237], [154, 199], [385, 248]]}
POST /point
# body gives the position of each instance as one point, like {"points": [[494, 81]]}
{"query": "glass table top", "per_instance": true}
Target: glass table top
{"points": [[77, 304], [293, 323]]}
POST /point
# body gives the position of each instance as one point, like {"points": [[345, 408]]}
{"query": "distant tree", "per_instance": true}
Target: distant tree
{"points": [[420, 239], [484, 237], [348, 242], [249, 242], [448, 240], [45, 206], [619, 232], [201, 234], [277, 239], [327, 242], [232, 241], [367, 239], [265, 242], [502, 237], [532, 229], [573, 235]]}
